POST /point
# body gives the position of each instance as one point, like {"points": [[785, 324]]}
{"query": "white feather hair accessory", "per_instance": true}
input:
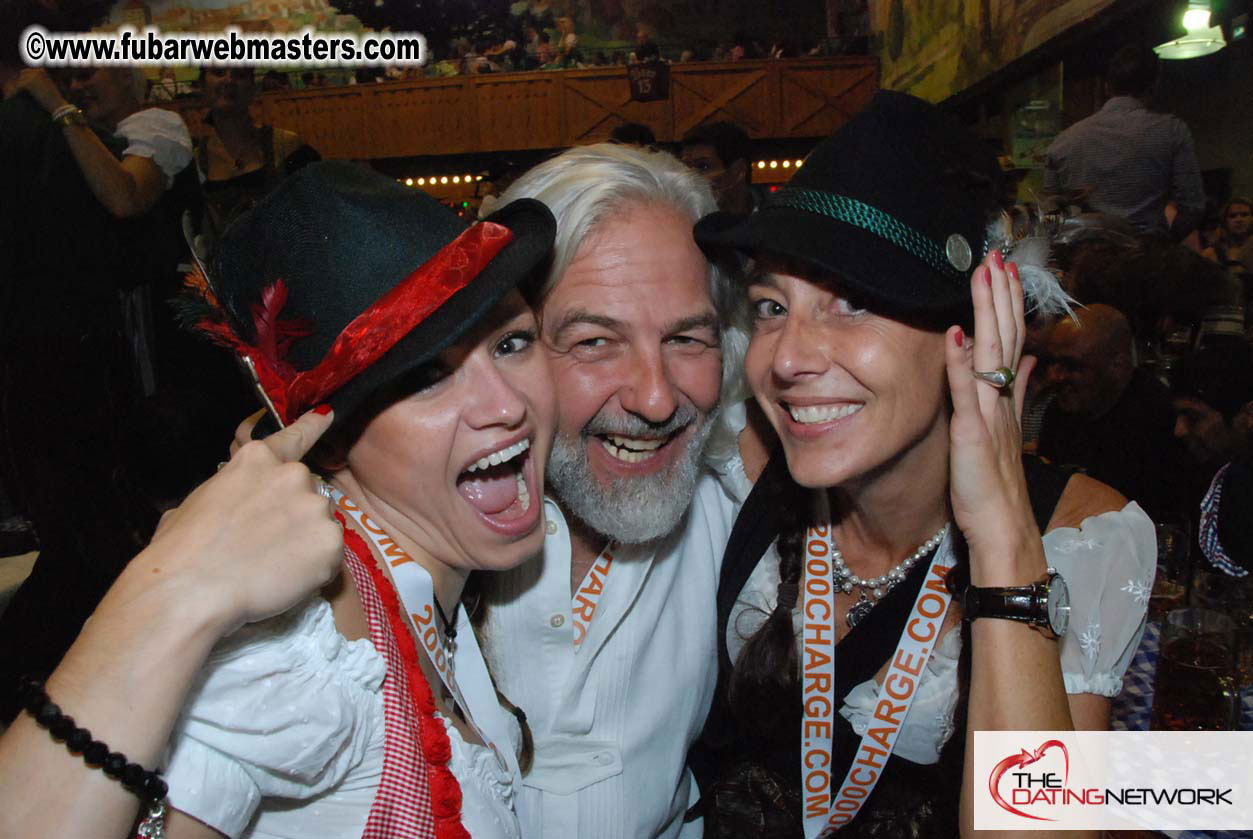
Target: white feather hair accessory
{"points": [[1027, 246]]}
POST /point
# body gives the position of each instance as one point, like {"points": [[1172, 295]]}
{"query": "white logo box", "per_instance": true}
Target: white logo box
{"points": [[1113, 780]]}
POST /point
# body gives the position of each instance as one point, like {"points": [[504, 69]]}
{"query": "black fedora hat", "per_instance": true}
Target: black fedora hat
{"points": [[896, 203], [341, 281]]}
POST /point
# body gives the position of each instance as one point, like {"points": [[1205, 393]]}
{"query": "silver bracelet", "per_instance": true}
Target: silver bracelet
{"points": [[68, 115]]}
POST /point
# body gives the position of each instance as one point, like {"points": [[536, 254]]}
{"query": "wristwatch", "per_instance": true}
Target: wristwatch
{"points": [[1044, 604]]}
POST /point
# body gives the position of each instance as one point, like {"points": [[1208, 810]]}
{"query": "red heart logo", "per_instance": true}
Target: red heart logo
{"points": [[1024, 758]]}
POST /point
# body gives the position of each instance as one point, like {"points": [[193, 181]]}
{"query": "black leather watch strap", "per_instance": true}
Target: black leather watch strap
{"points": [[1016, 603], [1026, 604]]}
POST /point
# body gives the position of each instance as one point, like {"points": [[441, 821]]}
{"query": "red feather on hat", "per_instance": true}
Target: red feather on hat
{"points": [[272, 339]]}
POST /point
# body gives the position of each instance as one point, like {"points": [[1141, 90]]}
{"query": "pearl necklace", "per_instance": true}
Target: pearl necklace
{"points": [[845, 579]]}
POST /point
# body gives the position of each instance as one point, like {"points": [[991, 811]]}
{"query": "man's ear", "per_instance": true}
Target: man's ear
{"points": [[739, 171], [1122, 365]]}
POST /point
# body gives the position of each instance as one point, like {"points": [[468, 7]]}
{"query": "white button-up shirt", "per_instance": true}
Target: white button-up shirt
{"points": [[613, 720]]}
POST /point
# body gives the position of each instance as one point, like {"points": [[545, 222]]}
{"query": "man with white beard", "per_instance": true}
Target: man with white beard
{"points": [[607, 641]]}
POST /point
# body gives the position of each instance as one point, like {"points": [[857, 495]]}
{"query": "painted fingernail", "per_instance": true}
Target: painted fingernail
{"points": [[997, 260], [987, 276], [959, 337], [1012, 268], [322, 409]]}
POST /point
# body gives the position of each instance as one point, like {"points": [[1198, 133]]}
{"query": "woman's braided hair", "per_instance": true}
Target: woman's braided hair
{"points": [[767, 670]]}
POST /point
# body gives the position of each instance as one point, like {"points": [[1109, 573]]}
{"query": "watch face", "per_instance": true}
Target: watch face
{"points": [[1058, 605]]}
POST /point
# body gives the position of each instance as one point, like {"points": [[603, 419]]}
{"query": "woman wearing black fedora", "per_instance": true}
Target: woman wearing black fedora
{"points": [[374, 320], [886, 590]]}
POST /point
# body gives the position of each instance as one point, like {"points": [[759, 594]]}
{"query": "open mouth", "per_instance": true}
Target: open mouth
{"points": [[816, 414], [501, 487], [635, 449]]}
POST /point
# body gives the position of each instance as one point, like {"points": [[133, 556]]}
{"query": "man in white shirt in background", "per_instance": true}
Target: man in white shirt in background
{"points": [[607, 641], [153, 146], [158, 145]]}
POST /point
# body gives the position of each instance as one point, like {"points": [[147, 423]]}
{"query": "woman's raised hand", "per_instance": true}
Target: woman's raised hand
{"points": [[258, 536], [988, 488]]}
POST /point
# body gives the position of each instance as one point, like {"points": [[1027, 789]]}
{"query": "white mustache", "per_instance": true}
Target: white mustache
{"points": [[629, 425]]}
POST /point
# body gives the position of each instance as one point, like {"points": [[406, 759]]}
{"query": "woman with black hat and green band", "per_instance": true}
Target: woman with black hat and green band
{"points": [[886, 591], [371, 317]]}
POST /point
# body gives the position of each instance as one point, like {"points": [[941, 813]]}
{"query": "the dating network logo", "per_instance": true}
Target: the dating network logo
{"points": [[1113, 780], [1027, 787], [1033, 782]]}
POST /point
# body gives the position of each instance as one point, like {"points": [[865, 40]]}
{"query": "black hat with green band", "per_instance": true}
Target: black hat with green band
{"points": [[895, 205]]}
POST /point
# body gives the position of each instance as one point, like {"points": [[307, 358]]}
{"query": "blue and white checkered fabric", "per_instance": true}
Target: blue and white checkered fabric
{"points": [[1132, 710]]}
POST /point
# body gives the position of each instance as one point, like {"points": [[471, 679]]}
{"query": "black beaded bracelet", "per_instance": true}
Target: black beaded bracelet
{"points": [[147, 785]]}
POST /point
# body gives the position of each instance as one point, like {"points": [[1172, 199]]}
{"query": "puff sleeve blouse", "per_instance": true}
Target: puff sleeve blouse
{"points": [[284, 709]]}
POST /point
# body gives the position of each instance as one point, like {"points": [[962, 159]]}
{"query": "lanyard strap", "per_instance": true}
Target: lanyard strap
{"points": [[822, 813], [464, 673], [584, 602]]}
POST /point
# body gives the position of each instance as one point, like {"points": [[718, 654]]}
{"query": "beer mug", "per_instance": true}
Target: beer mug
{"points": [[1196, 688], [1233, 596]]}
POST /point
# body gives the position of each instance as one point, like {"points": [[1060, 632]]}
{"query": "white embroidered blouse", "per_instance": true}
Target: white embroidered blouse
{"points": [[1108, 564], [282, 737]]}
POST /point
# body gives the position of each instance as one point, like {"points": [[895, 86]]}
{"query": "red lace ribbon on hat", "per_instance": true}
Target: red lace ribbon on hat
{"points": [[369, 335]]}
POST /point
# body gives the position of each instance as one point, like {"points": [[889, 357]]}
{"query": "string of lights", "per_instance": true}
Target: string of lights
{"points": [[437, 180]]}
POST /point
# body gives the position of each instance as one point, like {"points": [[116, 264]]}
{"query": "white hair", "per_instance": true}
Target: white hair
{"points": [[587, 185]]}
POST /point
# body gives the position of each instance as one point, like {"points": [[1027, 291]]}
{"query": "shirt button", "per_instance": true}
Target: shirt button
{"points": [[557, 621], [550, 528], [603, 759]]}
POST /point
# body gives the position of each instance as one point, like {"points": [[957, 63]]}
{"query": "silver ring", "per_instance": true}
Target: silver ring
{"points": [[324, 490], [1000, 378]]}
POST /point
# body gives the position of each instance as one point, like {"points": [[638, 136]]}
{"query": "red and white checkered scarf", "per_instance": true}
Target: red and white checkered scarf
{"points": [[418, 796]]}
